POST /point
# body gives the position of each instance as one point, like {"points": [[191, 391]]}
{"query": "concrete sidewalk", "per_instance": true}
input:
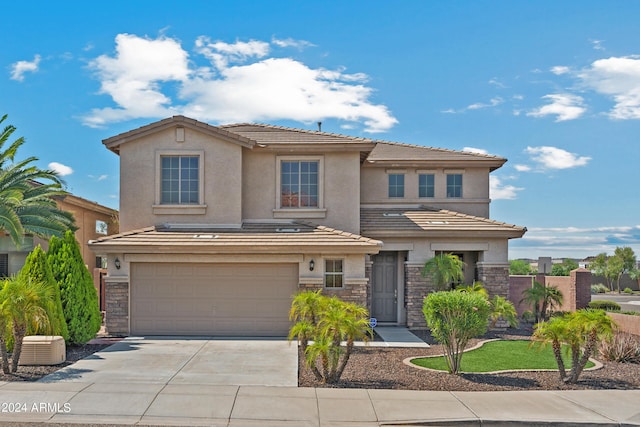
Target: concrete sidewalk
{"points": [[201, 404]]}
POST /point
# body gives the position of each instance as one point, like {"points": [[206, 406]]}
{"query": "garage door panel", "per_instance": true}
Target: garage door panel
{"points": [[212, 299]]}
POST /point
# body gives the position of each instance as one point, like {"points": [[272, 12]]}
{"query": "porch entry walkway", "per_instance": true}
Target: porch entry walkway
{"points": [[397, 336]]}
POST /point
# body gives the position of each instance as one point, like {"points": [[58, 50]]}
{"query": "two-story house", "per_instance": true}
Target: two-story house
{"points": [[223, 224]]}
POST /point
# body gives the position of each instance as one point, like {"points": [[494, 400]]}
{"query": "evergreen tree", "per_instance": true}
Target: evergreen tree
{"points": [[79, 296], [36, 268]]}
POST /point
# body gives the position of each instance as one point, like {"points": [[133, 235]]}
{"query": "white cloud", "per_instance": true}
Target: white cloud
{"points": [[522, 168], [19, 68], [560, 69], [239, 83], [555, 158], [500, 191], [289, 42], [564, 106], [597, 44], [99, 178], [132, 78], [492, 103], [497, 83], [475, 150], [60, 169], [221, 53], [619, 79]]}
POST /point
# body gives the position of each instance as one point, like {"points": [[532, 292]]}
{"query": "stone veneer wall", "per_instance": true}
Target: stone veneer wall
{"points": [[117, 306], [495, 279], [416, 289], [356, 293]]}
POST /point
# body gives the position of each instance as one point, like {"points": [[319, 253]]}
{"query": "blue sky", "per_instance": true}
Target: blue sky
{"points": [[552, 86]]}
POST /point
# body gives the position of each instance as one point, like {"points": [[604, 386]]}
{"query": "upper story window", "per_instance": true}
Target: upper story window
{"points": [[396, 185], [454, 185], [426, 185], [180, 180], [102, 227], [299, 186], [333, 273]]}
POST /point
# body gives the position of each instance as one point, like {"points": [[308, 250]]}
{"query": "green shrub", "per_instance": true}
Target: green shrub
{"points": [[78, 295], [627, 291], [454, 318], [622, 347], [37, 269], [599, 288], [605, 305]]}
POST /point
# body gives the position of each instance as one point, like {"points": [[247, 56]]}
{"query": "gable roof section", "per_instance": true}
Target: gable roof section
{"points": [[414, 222], [393, 153], [115, 142], [252, 238]]}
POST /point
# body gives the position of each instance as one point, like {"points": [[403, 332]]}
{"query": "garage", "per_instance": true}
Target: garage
{"points": [[211, 299]]}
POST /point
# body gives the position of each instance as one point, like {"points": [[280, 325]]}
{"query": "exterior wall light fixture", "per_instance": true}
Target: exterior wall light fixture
{"points": [[312, 265], [116, 262]]}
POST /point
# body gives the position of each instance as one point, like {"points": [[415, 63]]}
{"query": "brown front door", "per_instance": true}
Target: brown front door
{"points": [[384, 298]]}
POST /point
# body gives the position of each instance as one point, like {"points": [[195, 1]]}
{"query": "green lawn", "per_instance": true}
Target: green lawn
{"points": [[501, 356]]}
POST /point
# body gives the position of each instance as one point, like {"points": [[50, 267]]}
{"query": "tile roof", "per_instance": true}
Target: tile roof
{"points": [[251, 238], [269, 134], [431, 222], [394, 150], [249, 134]]}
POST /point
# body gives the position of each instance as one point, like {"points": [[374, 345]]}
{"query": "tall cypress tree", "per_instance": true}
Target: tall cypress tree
{"points": [[36, 268], [78, 295]]}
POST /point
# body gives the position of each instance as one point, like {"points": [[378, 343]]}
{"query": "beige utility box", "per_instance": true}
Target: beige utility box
{"points": [[43, 350]]}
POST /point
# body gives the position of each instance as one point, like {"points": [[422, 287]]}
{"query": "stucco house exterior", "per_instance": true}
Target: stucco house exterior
{"points": [[221, 225], [92, 219]]}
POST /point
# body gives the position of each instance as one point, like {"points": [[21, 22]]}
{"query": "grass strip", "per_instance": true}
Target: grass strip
{"points": [[502, 355]]}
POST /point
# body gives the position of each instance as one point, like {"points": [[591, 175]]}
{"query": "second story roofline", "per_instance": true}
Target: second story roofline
{"points": [[279, 138]]}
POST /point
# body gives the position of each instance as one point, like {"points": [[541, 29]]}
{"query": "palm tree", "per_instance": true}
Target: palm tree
{"points": [[542, 299], [592, 326], [321, 325], [444, 270], [23, 305], [502, 308], [27, 206], [554, 331]]}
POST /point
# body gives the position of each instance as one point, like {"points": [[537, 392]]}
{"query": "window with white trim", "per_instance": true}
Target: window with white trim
{"points": [[333, 273], [454, 185], [299, 186], [179, 180]]}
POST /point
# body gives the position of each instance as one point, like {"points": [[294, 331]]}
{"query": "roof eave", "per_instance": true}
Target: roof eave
{"points": [[416, 163], [131, 248], [492, 234]]}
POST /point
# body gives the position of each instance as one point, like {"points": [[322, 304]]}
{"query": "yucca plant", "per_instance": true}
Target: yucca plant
{"points": [[622, 348]]}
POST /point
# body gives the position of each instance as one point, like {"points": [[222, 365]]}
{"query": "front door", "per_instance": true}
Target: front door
{"points": [[384, 298]]}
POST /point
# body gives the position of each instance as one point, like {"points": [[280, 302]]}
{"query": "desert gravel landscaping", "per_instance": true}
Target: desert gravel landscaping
{"points": [[383, 368]]}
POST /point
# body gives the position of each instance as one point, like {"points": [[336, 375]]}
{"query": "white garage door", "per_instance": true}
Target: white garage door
{"points": [[212, 299]]}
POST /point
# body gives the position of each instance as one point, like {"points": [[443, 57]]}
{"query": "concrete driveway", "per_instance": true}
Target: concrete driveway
{"points": [[176, 360]]}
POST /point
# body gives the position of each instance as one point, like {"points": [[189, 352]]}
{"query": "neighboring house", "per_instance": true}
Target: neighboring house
{"points": [[222, 224], [93, 221]]}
